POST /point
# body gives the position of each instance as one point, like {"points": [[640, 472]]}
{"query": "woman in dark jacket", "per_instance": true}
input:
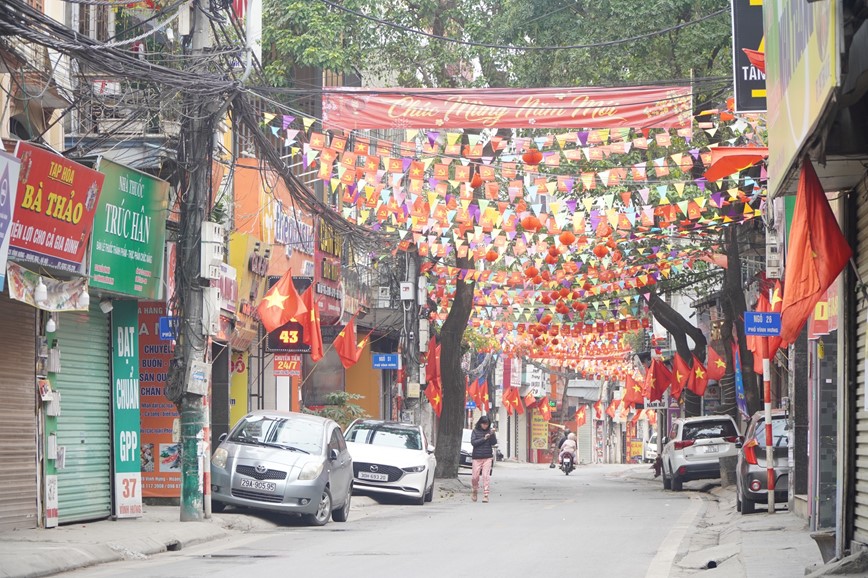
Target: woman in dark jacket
{"points": [[483, 441]]}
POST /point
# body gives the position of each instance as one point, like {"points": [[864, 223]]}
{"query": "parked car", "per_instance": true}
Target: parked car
{"points": [[284, 462], [693, 449], [751, 472], [649, 448], [466, 459], [392, 458]]}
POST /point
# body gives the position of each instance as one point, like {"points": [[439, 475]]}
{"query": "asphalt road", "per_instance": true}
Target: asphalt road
{"points": [[595, 522]]}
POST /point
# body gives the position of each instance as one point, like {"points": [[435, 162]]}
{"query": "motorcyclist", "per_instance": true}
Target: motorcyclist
{"points": [[569, 446]]}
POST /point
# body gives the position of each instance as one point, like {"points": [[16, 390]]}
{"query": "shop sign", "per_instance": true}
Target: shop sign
{"points": [[250, 258], [160, 456], [228, 285], [329, 251], [9, 168], [539, 431], [125, 414], [62, 295], [286, 365], [802, 70], [129, 233], [747, 35], [289, 338], [238, 387], [293, 233], [55, 206]]}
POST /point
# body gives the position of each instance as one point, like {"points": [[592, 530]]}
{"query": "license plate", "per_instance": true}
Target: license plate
{"points": [[374, 477], [711, 449], [266, 486]]}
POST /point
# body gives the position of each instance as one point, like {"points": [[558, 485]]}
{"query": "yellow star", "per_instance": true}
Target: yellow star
{"points": [[637, 389], [699, 373], [276, 299], [678, 376], [776, 297], [720, 363]]}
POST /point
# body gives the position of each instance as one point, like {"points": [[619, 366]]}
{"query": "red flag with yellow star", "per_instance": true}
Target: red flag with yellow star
{"points": [[345, 345], [716, 365], [681, 374], [544, 410], [632, 391], [434, 393], [312, 330], [529, 401], [281, 304], [657, 380], [777, 302], [598, 410], [581, 416], [699, 380]]}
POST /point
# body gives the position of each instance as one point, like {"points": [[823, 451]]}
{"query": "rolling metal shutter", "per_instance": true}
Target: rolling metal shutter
{"points": [[84, 426], [860, 533], [18, 429], [585, 437]]}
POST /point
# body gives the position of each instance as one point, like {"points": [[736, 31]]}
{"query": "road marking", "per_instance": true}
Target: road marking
{"points": [[661, 565]]}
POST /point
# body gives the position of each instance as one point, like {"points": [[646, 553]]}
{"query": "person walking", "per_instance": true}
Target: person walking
{"points": [[483, 440]]}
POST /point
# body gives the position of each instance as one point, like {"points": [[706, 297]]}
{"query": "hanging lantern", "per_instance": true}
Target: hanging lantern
{"points": [[567, 238], [532, 157], [546, 319], [531, 223], [554, 252], [476, 181], [546, 299], [551, 260], [564, 292], [555, 295], [546, 276], [491, 256], [531, 272], [538, 279], [604, 230], [601, 251]]}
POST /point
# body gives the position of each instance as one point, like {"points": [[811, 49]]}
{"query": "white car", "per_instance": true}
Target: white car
{"points": [[649, 449], [392, 458], [466, 459], [693, 449]]}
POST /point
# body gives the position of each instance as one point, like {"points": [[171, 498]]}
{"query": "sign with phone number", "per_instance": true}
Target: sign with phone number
{"points": [[287, 365]]}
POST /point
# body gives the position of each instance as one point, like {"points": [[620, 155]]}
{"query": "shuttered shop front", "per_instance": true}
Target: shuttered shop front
{"points": [[84, 425], [18, 426], [860, 530]]}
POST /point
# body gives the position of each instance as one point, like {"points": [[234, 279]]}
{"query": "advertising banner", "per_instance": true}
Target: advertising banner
{"points": [[129, 232], [54, 211], [125, 410], [9, 168], [539, 431], [327, 287], [747, 48], [61, 295], [802, 69], [161, 457], [442, 108]]}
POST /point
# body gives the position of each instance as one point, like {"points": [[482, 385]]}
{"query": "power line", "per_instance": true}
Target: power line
{"points": [[527, 48]]}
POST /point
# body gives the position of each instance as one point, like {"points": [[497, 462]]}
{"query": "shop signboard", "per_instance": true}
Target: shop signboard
{"points": [[125, 410], [327, 280], [289, 338], [160, 456], [747, 45], [54, 210], [9, 168], [250, 258], [129, 233], [802, 70], [539, 431]]}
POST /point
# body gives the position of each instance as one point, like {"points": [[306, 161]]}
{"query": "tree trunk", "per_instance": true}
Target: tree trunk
{"points": [[452, 415], [734, 307], [679, 328]]}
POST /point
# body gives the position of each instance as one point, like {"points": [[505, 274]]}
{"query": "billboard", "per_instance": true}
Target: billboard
{"points": [[747, 46]]}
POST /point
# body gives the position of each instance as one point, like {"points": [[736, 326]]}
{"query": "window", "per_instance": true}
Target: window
{"points": [[780, 432], [708, 429], [265, 429], [335, 441], [385, 435]]}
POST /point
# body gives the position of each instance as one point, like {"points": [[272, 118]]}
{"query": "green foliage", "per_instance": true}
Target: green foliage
{"points": [[474, 340], [340, 408]]}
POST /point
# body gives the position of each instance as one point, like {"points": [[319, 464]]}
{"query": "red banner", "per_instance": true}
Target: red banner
{"points": [[442, 108], [56, 203]]}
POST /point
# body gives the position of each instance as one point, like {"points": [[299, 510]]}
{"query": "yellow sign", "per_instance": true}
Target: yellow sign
{"points": [[802, 70], [539, 432], [238, 387]]}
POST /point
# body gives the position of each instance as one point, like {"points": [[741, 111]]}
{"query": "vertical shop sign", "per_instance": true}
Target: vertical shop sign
{"points": [[125, 422], [161, 457], [9, 168]]}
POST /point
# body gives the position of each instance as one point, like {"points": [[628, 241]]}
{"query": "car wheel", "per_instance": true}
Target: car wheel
{"points": [[216, 506], [677, 483], [737, 502], [747, 506], [323, 511], [342, 514], [429, 495], [667, 483]]}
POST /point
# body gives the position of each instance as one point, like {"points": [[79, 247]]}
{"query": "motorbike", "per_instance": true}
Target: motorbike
{"points": [[568, 464]]}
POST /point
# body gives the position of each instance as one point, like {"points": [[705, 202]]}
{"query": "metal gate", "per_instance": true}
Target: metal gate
{"points": [[585, 439], [84, 426], [18, 429], [860, 530]]}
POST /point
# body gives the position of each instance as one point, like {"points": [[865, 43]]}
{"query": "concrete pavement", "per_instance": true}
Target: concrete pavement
{"points": [[708, 531]]}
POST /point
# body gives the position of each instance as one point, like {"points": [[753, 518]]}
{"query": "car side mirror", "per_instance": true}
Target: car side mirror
{"points": [[223, 437], [430, 449], [333, 454], [665, 440], [738, 445]]}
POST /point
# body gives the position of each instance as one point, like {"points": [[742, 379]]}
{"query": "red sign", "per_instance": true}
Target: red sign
{"points": [[287, 365], [57, 200], [439, 108]]}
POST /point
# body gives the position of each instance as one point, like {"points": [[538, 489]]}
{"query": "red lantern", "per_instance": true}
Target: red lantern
{"points": [[601, 251], [531, 223], [491, 256], [551, 260], [555, 295], [554, 252], [546, 276], [567, 238], [538, 279], [476, 181], [564, 292], [531, 272], [546, 319], [532, 157]]}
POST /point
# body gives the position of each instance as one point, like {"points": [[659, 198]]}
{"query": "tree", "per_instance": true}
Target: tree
{"points": [[340, 408]]}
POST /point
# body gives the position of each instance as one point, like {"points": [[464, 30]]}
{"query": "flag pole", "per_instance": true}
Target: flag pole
{"points": [[770, 448]]}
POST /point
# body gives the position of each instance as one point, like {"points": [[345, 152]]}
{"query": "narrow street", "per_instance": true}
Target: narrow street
{"points": [[594, 522]]}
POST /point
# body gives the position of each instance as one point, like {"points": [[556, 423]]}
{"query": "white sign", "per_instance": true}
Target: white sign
{"points": [[128, 499], [51, 501]]}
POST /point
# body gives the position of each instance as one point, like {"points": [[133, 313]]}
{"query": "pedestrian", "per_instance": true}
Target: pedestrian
{"points": [[483, 440]]}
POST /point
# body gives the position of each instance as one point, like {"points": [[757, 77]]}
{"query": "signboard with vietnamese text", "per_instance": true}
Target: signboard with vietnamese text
{"points": [[287, 365], [129, 232], [125, 410], [747, 44], [54, 210], [386, 361], [766, 324], [327, 280], [9, 167], [288, 338]]}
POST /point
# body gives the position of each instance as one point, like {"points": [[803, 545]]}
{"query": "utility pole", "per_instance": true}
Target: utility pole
{"points": [[195, 165]]}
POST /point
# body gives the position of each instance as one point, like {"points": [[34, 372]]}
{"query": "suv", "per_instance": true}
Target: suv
{"points": [[694, 446], [649, 448], [751, 478]]}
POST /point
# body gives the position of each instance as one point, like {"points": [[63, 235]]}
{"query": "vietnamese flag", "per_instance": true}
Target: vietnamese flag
{"points": [[776, 303], [312, 330], [281, 304], [658, 378], [818, 252], [529, 400], [472, 389], [432, 362], [581, 416], [632, 391], [346, 346], [613, 405], [681, 375], [543, 408], [699, 380], [598, 410], [716, 365], [434, 393]]}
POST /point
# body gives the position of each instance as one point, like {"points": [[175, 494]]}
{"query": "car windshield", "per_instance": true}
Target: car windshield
{"points": [[780, 432], [465, 437], [301, 434], [385, 435], [702, 430]]}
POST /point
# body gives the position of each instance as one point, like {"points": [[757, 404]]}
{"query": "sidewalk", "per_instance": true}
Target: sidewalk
{"points": [[38, 552], [756, 545]]}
